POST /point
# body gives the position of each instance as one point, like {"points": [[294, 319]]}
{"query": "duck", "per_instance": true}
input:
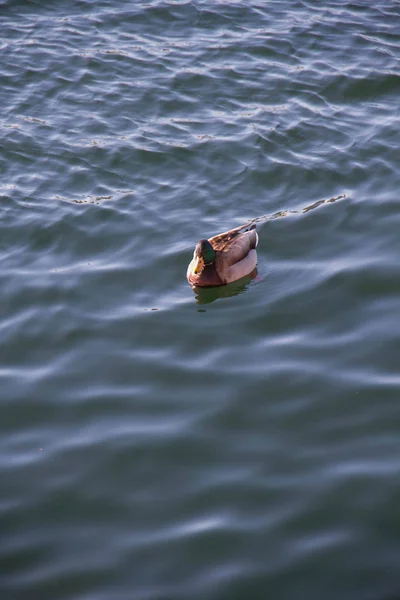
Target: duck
{"points": [[224, 258]]}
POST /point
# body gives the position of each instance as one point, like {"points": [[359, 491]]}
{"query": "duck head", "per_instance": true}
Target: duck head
{"points": [[204, 255]]}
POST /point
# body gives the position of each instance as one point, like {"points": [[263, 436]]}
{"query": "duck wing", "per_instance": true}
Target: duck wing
{"points": [[220, 241], [234, 245]]}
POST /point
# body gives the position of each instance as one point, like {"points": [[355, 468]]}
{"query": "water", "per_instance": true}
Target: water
{"points": [[158, 443]]}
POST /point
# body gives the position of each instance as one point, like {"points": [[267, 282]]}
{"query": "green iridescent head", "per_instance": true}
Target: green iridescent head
{"points": [[205, 251], [204, 255]]}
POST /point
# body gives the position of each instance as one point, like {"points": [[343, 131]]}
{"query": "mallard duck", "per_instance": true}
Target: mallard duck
{"points": [[224, 258]]}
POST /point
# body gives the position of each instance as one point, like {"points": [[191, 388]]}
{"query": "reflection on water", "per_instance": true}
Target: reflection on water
{"points": [[285, 213], [153, 448], [210, 294]]}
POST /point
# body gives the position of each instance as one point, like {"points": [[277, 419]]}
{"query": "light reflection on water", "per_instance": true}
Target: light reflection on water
{"points": [[149, 451]]}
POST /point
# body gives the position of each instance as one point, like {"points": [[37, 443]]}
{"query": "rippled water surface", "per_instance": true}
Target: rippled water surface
{"points": [[161, 443]]}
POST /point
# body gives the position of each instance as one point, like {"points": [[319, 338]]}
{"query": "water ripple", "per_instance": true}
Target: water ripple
{"points": [[164, 443]]}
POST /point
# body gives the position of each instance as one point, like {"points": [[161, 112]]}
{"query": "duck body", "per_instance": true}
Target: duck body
{"points": [[224, 258]]}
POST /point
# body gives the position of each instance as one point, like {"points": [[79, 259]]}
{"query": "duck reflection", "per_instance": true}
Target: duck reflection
{"points": [[206, 295]]}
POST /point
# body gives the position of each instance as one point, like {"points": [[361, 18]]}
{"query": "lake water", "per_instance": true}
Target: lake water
{"points": [[159, 443]]}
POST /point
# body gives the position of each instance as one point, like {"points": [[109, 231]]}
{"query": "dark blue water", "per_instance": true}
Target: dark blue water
{"points": [[159, 443]]}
